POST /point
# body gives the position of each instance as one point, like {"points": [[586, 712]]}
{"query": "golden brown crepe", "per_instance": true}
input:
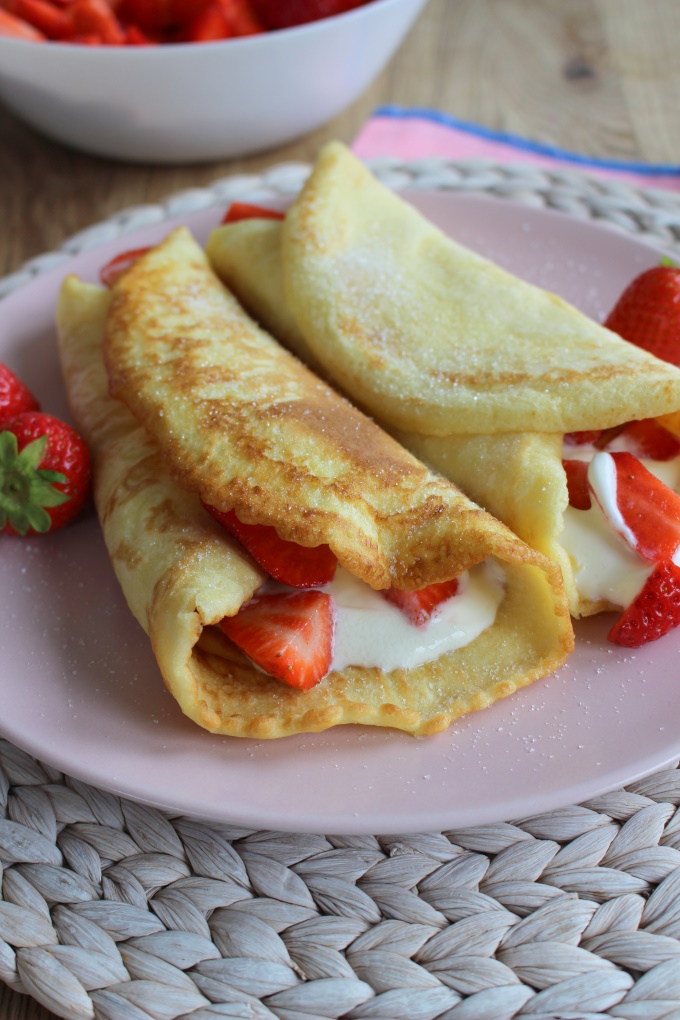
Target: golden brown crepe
{"points": [[397, 314], [228, 414], [247, 426], [433, 338], [517, 476]]}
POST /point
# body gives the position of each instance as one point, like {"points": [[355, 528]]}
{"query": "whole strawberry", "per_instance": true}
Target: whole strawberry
{"points": [[14, 396], [648, 313], [44, 474]]}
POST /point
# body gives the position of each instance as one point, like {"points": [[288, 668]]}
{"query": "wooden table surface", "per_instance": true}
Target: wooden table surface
{"points": [[601, 77]]}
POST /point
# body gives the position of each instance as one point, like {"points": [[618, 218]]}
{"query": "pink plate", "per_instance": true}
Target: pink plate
{"points": [[80, 688]]}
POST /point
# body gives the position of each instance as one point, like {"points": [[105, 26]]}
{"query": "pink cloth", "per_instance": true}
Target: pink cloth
{"points": [[415, 134]]}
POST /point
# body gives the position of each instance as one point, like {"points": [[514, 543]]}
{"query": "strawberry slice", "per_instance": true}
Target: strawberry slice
{"points": [[42, 15], [134, 36], [418, 606], [648, 313], [286, 13], [209, 25], [286, 562], [244, 211], [607, 436], [109, 273], [95, 18], [648, 440], [653, 612], [648, 516], [12, 27], [241, 17], [87, 39], [577, 483], [289, 636], [159, 15]]}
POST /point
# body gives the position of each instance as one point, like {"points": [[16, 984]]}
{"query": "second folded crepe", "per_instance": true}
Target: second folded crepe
{"points": [[475, 371], [209, 406]]}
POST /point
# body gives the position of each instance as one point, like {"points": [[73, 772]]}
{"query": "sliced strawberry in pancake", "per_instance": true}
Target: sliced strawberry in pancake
{"points": [[577, 483], [245, 211], [648, 440], [639, 507], [418, 606], [286, 562], [653, 612], [289, 635], [109, 273]]}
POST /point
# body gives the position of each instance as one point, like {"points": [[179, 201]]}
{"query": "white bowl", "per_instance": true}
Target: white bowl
{"points": [[208, 101]]}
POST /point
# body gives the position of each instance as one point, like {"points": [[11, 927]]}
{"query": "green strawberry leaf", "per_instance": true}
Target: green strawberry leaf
{"points": [[38, 519], [26, 489], [32, 454], [16, 520], [52, 476], [666, 260], [42, 494], [9, 448]]}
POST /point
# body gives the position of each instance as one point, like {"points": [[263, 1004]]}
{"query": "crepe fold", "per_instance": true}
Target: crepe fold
{"points": [[475, 371], [222, 411]]}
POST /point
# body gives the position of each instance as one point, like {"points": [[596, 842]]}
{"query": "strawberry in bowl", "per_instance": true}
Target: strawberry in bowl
{"points": [[174, 61], [287, 13]]}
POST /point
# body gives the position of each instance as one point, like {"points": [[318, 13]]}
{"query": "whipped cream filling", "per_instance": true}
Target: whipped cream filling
{"points": [[370, 631], [605, 566], [603, 486]]}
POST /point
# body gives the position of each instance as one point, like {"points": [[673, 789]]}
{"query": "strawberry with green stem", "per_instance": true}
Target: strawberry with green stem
{"points": [[44, 474]]}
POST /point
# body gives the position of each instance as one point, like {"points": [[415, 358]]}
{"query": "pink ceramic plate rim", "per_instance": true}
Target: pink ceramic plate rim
{"points": [[81, 691]]}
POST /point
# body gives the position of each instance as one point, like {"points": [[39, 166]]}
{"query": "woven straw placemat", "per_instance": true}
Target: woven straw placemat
{"points": [[110, 909]]}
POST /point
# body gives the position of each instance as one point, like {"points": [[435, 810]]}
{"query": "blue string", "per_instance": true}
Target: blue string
{"points": [[539, 148]]}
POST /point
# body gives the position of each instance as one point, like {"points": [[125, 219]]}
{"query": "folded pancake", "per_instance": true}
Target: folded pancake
{"points": [[246, 426], [432, 337], [517, 476], [222, 412], [467, 365]]}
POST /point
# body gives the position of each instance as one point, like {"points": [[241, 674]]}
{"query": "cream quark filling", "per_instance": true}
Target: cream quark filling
{"points": [[369, 631], [606, 568]]}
